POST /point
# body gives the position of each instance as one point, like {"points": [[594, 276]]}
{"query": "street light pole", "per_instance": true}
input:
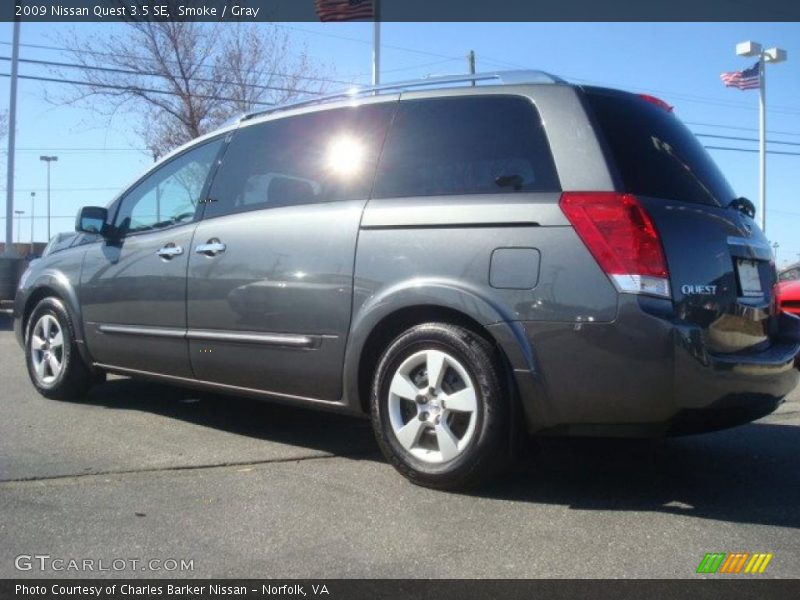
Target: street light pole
{"points": [[19, 214], [33, 206], [771, 55], [48, 160]]}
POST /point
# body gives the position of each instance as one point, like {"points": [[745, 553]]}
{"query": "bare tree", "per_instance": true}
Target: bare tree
{"points": [[183, 79]]}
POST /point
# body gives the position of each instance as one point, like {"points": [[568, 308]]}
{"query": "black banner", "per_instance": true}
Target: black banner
{"points": [[401, 10], [376, 589]]}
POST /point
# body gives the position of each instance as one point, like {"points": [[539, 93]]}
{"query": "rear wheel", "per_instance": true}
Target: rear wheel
{"points": [[439, 407], [54, 364]]}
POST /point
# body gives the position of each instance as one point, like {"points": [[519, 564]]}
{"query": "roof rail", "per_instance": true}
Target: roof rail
{"points": [[501, 77]]}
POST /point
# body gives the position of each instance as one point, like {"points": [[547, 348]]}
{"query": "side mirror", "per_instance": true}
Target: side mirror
{"points": [[92, 219]]}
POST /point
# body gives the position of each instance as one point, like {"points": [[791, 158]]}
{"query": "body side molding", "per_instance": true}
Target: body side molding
{"points": [[273, 339]]}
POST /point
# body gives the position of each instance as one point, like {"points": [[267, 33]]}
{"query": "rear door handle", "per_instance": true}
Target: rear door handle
{"points": [[169, 251], [211, 248]]}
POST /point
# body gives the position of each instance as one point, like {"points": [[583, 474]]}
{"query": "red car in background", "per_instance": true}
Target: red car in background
{"points": [[787, 294]]}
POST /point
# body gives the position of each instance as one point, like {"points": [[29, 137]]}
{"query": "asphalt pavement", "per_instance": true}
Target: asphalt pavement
{"points": [[243, 488]]}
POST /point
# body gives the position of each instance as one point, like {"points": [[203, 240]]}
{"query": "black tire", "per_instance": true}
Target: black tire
{"points": [[487, 451], [74, 378]]}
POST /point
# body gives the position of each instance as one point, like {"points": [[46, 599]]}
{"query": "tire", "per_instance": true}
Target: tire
{"points": [[51, 355], [431, 443]]}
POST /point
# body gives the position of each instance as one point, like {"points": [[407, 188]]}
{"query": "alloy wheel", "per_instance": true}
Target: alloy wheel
{"points": [[433, 406], [47, 349]]}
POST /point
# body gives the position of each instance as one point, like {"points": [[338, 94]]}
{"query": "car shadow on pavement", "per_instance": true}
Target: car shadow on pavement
{"points": [[6, 321], [328, 432], [749, 474]]}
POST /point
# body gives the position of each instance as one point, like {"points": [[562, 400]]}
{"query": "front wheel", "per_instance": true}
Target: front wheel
{"points": [[54, 364], [440, 411]]}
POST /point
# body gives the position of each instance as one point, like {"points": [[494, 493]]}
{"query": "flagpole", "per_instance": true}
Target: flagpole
{"points": [[376, 45], [12, 133], [762, 141], [770, 55]]}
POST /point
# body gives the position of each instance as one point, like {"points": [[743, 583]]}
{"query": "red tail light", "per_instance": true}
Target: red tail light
{"points": [[622, 238]]}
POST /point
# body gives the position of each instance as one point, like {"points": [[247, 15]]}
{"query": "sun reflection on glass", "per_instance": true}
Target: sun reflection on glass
{"points": [[345, 156]]}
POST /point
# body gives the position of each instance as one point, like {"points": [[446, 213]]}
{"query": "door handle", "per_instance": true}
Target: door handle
{"points": [[211, 248], [170, 251]]}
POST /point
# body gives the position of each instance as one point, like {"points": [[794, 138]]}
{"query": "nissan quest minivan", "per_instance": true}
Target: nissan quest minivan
{"points": [[463, 263]]}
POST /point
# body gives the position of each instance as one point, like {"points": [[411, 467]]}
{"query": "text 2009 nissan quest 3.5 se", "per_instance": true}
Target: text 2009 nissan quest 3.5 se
{"points": [[464, 264]]}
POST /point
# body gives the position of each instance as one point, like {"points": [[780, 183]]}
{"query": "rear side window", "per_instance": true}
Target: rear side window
{"points": [[317, 157], [465, 145], [655, 154]]}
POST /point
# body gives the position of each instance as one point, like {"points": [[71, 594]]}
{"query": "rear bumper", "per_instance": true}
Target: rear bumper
{"points": [[646, 375], [729, 411], [710, 381], [720, 391]]}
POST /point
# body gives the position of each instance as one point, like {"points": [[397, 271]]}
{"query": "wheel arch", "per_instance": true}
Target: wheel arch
{"points": [[386, 315], [57, 286]]}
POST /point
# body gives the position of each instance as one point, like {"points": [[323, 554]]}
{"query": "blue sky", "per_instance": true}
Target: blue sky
{"points": [[679, 63]]}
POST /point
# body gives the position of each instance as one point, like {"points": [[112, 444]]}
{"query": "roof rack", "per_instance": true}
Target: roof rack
{"points": [[501, 77]]}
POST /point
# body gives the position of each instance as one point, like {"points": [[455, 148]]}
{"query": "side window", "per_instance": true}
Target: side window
{"points": [[465, 145], [170, 194], [317, 157]]}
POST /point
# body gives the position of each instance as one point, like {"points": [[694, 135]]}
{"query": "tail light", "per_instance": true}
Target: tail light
{"points": [[622, 238]]}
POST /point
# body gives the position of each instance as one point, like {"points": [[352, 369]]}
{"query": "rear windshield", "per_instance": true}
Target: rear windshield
{"points": [[655, 154]]}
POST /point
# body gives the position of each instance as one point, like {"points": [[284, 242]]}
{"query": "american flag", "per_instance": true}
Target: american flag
{"points": [[345, 10], [744, 80]]}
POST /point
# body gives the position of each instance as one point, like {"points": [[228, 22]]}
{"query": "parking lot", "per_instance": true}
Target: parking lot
{"points": [[244, 488]]}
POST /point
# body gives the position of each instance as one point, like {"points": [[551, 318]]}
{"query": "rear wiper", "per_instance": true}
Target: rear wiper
{"points": [[514, 181], [743, 205]]}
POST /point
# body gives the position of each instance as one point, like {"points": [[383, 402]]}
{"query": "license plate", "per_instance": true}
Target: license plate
{"points": [[749, 279]]}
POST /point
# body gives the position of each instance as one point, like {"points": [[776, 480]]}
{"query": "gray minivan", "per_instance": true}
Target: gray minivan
{"points": [[464, 264]]}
